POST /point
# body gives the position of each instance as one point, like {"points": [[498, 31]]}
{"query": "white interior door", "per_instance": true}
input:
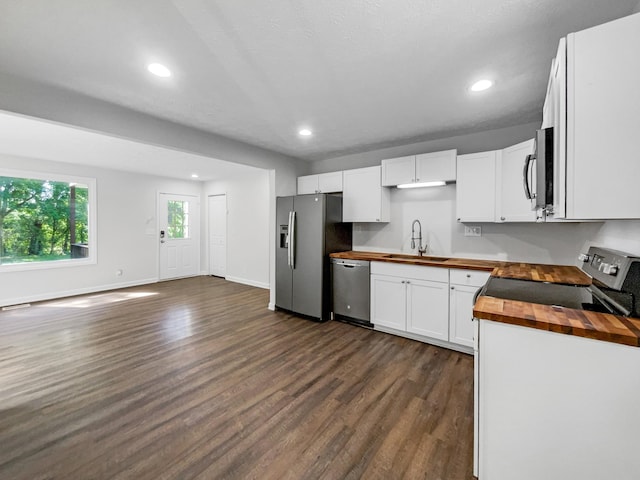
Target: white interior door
{"points": [[179, 222], [218, 235]]}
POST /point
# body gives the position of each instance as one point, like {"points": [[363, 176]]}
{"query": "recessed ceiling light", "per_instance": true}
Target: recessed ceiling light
{"points": [[194, 175], [481, 85], [305, 132], [159, 70]]}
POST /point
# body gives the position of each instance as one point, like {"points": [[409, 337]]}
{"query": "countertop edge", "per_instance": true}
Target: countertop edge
{"points": [[578, 323]]}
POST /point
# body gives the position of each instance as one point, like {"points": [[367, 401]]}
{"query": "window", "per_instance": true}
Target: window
{"points": [[178, 221], [45, 220]]}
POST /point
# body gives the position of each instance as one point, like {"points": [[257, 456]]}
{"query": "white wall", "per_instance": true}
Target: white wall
{"points": [[435, 208], [469, 143], [617, 234], [126, 214], [248, 225]]}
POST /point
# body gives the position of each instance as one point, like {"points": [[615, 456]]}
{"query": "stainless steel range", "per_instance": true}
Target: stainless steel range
{"points": [[615, 288]]}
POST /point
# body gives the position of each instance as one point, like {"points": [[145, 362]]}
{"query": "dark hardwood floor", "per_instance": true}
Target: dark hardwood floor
{"points": [[195, 378]]}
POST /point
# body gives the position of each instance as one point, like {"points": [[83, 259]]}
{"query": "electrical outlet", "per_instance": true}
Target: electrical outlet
{"points": [[475, 231]]}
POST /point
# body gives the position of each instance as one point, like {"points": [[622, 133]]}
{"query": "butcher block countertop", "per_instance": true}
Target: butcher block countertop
{"points": [[427, 260], [581, 323], [542, 273]]}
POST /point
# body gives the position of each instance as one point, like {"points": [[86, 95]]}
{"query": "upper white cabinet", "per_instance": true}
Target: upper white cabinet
{"points": [[511, 203], [321, 183], [426, 167], [396, 171], [363, 198], [599, 71], [489, 186], [476, 187]]}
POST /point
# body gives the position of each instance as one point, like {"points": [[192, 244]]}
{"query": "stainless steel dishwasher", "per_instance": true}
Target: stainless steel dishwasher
{"points": [[350, 285]]}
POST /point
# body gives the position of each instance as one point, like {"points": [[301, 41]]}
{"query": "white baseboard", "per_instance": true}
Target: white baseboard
{"points": [[272, 306], [420, 338], [246, 281], [77, 291]]}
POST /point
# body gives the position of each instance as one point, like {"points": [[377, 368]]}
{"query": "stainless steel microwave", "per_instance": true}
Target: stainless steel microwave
{"points": [[538, 172]]}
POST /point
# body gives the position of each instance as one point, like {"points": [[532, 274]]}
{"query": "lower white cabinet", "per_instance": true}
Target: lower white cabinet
{"points": [[428, 308], [388, 302], [463, 286], [409, 298], [431, 304]]}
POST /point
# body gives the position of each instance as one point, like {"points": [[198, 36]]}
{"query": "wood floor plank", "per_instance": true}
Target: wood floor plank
{"points": [[196, 379]]}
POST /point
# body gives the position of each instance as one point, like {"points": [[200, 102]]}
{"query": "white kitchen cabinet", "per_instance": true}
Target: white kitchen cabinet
{"points": [[409, 298], [396, 171], [476, 187], [511, 203], [321, 183], [364, 199], [555, 406], [425, 167], [428, 308], [436, 166], [599, 71], [463, 286], [388, 302]]}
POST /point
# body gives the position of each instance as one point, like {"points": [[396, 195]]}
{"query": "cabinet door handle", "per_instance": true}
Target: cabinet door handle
{"points": [[502, 218], [453, 288]]}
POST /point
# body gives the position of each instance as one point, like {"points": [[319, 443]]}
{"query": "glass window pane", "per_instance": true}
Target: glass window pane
{"points": [[42, 220], [178, 219]]}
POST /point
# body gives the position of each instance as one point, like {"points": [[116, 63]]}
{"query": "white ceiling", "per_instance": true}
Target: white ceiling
{"points": [[362, 74]]}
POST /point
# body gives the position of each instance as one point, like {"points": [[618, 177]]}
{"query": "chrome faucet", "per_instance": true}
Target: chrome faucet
{"points": [[421, 251]]}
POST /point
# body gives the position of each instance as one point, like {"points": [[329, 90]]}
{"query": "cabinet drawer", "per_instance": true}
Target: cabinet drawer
{"points": [[472, 278], [434, 274]]}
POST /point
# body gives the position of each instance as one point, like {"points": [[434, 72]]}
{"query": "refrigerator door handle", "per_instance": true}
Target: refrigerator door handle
{"points": [[292, 240], [289, 241]]}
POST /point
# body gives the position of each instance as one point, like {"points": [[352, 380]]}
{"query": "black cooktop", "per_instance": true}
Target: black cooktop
{"points": [[570, 296]]}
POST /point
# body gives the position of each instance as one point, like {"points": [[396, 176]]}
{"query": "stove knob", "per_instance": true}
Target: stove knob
{"points": [[584, 257], [613, 270]]}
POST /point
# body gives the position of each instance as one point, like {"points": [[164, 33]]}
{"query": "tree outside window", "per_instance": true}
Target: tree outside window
{"points": [[178, 221], [42, 220]]}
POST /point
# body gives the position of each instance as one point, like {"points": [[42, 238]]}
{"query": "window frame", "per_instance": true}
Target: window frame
{"points": [[91, 183]]}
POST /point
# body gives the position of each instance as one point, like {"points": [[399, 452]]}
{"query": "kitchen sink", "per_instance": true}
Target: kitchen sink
{"points": [[424, 258]]}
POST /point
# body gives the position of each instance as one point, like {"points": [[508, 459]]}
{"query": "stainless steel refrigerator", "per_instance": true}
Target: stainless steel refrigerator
{"points": [[309, 228]]}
